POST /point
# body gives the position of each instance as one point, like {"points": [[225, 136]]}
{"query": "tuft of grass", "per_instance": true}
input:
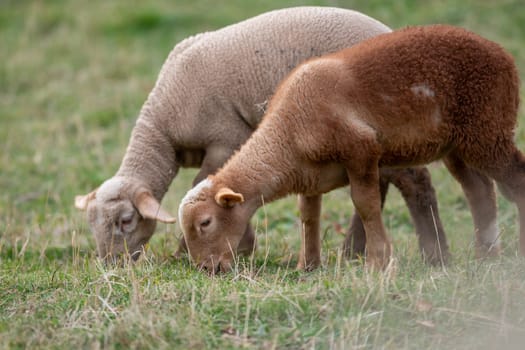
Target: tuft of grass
{"points": [[73, 78]]}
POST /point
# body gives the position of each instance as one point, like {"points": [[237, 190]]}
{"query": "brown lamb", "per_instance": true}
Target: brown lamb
{"points": [[400, 99]]}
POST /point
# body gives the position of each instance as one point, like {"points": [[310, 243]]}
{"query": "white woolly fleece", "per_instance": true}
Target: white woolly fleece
{"points": [[110, 189], [192, 195]]}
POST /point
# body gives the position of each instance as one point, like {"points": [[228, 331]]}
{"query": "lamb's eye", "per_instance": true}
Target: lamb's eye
{"points": [[205, 223]]}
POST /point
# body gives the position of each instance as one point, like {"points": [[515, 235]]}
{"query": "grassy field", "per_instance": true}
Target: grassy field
{"points": [[73, 77]]}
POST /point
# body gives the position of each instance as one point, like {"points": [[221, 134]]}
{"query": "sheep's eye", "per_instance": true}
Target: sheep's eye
{"points": [[126, 219], [206, 223]]}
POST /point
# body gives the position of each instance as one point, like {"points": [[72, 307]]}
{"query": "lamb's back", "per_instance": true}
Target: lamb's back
{"points": [[459, 71]]}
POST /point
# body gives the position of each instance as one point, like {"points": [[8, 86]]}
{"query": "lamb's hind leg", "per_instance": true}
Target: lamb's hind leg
{"points": [[310, 255], [511, 182], [479, 190]]}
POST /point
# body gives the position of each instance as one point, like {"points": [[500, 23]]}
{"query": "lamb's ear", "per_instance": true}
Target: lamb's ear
{"points": [[150, 208], [225, 197], [81, 202]]}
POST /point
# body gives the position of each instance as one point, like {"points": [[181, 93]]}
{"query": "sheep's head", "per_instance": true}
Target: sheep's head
{"points": [[122, 214], [213, 222]]}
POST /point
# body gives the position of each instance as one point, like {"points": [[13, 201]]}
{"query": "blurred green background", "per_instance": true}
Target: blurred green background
{"points": [[73, 76]]}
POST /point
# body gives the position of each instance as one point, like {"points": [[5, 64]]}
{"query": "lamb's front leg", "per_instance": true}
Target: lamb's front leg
{"points": [[355, 241], [310, 255], [416, 188], [364, 188]]}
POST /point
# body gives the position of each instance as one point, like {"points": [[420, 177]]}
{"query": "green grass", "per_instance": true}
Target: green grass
{"points": [[72, 80]]}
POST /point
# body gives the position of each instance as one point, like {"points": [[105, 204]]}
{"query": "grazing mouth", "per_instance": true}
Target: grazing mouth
{"points": [[121, 258], [135, 255], [215, 268]]}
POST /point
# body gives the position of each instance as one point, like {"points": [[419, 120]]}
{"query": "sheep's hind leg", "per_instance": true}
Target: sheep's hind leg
{"points": [[479, 190], [416, 187], [310, 254], [355, 241]]}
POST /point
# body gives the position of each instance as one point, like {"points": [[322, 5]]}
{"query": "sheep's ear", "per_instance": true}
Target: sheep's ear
{"points": [[150, 208], [81, 202], [225, 197]]}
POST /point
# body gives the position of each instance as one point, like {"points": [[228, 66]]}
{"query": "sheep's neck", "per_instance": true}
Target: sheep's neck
{"points": [[150, 158]]}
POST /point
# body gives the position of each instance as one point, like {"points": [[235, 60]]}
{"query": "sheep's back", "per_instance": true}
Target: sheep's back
{"points": [[237, 68]]}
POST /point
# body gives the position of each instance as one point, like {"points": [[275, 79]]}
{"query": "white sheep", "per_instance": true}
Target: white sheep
{"points": [[209, 97], [399, 99]]}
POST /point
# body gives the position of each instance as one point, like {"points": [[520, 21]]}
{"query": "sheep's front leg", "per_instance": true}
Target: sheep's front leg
{"points": [[481, 196], [364, 188], [248, 243], [310, 255]]}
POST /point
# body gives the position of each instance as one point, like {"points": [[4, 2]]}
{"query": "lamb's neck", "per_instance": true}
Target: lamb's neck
{"points": [[265, 169], [150, 156]]}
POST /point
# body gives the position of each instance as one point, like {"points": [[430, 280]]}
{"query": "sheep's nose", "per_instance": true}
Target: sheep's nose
{"points": [[135, 255]]}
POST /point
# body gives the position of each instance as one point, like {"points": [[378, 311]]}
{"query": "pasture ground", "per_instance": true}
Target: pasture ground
{"points": [[73, 77]]}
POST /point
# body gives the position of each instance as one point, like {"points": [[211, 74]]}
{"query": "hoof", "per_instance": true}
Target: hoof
{"points": [[484, 251], [308, 266]]}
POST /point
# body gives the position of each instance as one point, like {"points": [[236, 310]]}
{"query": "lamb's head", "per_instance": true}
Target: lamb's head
{"points": [[122, 214], [213, 222]]}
